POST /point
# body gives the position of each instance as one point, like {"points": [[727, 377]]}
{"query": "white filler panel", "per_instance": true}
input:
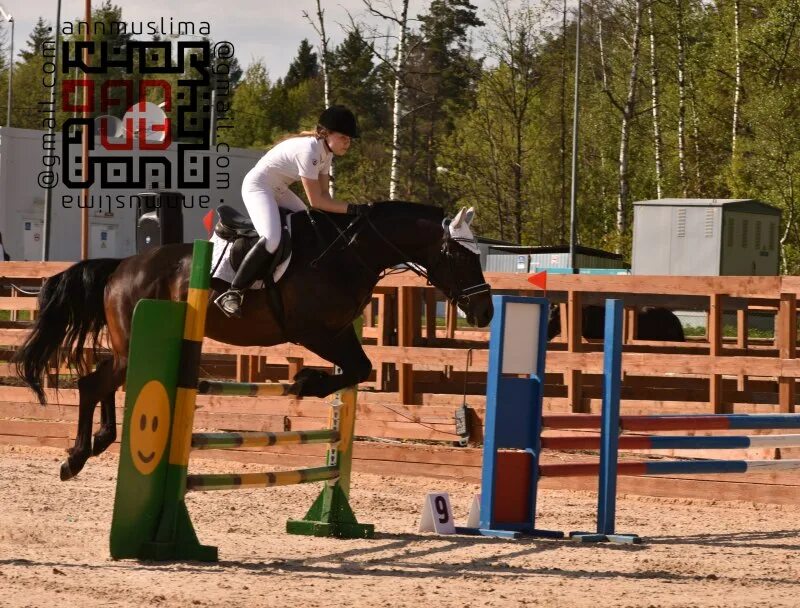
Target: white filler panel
{"points": [[521, 338]]}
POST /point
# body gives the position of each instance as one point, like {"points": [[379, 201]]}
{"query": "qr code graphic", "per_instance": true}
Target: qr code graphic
{"points": [[135, 134]]}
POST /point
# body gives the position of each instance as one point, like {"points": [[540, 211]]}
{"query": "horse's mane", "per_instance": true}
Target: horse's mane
{"points": [[383, 209]]}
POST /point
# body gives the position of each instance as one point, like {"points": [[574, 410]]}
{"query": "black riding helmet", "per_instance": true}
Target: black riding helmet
{"points": [[339, 119]]}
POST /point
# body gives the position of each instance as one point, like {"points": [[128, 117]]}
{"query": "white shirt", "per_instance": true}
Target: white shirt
{"points": [[292, 159]]}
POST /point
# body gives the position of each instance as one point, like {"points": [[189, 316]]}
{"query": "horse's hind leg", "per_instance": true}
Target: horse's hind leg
{"points": [[91, 388], [107, 433]]}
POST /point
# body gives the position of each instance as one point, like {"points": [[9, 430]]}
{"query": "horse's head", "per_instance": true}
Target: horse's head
{"points": [[456, 270]]}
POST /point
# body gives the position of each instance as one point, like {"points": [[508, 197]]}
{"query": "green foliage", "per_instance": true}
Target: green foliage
{"points": [[492, 129], [303, 67]]}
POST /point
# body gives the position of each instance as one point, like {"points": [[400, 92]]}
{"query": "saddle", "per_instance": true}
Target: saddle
{"points": [[237, 229]]}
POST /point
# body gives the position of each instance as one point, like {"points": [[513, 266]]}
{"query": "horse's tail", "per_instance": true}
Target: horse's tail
{"points": [[70, 311]]}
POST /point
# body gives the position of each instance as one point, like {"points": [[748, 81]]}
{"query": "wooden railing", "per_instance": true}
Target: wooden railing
{"points": [[408, 349]]}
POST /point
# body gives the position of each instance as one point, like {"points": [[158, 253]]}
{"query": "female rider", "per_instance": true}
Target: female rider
{"points": [[305, 157]]}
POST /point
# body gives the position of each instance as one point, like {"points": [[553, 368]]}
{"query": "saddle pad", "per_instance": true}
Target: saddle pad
{"points": [[221, 267]]}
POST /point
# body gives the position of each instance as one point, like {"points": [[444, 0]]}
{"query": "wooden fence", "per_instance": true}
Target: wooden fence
{"points": [[423, 371]]}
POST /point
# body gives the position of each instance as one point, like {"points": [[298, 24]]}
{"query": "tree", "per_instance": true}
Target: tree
{"points": [[393, 63], [41, 33], [303, 66], [357, 83], [250, 109], [443, 77]]}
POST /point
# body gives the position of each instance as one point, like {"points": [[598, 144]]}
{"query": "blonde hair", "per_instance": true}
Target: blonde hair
{"points": [[320, 133]]}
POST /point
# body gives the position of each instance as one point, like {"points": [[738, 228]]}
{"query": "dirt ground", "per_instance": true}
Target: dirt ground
{"points": [[54, 549]]}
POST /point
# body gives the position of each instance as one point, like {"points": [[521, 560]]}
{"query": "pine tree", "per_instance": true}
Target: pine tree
{"points": [[356, 82], [41, 33], [444, 84], [303, 66]]}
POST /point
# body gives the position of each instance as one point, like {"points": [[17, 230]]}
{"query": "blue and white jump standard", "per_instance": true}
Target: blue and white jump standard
{"points": [[513, 424], [612, 424]]}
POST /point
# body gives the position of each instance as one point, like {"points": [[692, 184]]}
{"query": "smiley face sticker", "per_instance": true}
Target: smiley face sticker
{"points": [[149, 427]]}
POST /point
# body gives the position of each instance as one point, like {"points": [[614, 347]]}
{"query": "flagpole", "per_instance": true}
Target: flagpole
{"points": [[87, 133], [573, 202], [51, 130]]}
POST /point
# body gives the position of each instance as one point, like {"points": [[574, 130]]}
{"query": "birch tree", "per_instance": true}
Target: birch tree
{"points": [[319, 28], [655, 102], [384, 9], [737, 89], [627, 110], [681, 72]]}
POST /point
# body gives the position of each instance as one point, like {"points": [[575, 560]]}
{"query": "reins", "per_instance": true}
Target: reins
{"points": [[455, 294]]}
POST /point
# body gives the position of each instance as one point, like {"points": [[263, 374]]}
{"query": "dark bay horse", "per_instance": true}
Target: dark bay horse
{"points": [[652, 323], [337, 261]]}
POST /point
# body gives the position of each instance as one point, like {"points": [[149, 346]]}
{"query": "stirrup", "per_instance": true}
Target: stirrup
{"points": [[230, 303]]}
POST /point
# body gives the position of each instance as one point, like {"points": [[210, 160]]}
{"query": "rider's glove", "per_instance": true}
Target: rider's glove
{"points": [[358, 210]]}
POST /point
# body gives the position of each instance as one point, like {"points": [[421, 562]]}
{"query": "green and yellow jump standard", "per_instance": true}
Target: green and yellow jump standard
{"points": [[150, 519]]}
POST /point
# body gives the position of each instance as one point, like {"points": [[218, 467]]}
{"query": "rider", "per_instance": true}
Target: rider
{"points": [[306, 157]]}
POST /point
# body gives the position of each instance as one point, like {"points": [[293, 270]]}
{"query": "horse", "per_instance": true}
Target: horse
{"points": [[652, 323], [337, 260]]}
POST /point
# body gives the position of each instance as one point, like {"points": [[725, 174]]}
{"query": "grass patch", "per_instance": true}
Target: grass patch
{"points": [[728, 331], [22, 315]]}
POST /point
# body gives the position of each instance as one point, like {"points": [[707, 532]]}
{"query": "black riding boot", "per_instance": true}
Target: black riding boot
{"points": [[255, 263]]}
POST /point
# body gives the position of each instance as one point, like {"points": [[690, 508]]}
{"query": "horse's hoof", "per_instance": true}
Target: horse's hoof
{"points": [[66, 473]]}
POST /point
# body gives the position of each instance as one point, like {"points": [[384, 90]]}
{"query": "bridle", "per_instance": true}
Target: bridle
{"points": [[455, 293]]}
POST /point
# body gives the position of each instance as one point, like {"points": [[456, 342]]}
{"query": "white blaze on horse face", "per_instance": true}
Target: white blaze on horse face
{"points": [[461, 231]]}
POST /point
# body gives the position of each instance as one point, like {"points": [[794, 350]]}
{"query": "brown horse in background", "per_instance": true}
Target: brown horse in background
{"points": [[336, 262]]}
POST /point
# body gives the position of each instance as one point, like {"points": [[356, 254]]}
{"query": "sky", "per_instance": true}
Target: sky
{"points": [[266, 29]]}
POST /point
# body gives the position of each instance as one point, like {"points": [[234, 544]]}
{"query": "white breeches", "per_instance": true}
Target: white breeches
{"points": [[262, 198]]}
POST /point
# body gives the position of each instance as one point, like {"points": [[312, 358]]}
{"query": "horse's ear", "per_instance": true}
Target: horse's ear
{"points": [[470, 215], [457, 219]]}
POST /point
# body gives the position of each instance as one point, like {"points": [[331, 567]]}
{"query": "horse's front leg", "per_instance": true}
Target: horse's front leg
{"points": [[343, 350]]}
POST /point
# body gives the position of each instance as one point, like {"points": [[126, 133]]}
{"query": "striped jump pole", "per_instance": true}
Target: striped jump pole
{"points": [[679, 422], [670, 467], [676, 442], [227, 441], [243, 389], [233, 481]]}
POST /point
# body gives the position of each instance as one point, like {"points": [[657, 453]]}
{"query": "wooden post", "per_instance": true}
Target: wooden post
{"points": [[242, 368], [380, 336], [295, 365], [741, 343], [451, 322], [430, 316], [405, 337], [715, 395], [15, 313], [574, 331], [786, 335], [631, 320], [563, 311]]}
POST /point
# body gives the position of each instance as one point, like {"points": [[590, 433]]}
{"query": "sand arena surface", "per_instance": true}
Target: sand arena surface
{"points": [[54, 549]]}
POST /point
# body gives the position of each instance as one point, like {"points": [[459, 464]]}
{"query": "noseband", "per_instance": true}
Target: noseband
{"points": [[456, 293]]}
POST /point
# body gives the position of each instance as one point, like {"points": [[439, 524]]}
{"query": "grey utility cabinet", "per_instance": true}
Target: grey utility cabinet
{"points": [[705, 236]]}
